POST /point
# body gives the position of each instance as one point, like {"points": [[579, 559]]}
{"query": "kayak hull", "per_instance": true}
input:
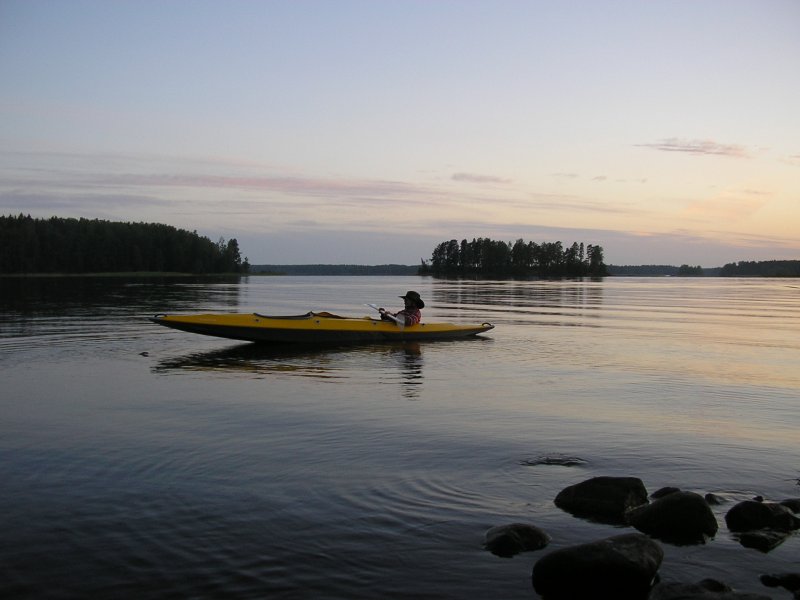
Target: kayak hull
{"points": [[313, 328]]}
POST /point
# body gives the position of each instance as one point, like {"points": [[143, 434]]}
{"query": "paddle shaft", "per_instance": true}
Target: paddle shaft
{"points": [[388, 315]]}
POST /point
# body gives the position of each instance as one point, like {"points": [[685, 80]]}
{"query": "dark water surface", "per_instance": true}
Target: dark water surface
{"points": [[141, 462]]}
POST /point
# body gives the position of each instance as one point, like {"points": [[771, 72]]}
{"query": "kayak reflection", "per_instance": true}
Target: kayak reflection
{"points": [[411, 369], [379, 362]]}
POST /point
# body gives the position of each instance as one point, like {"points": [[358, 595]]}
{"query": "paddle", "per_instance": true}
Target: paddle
{"points": [[400, 323]]}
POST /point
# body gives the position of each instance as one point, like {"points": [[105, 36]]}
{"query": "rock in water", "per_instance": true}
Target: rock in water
{"points": [[750, 515], [665, 491], [763, 540], [621, 567], [603, 498], [788, 581], [508, 540], [708, 589], [678, 518], [792, 504]]}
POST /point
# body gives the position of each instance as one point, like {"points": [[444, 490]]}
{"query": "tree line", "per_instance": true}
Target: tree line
{"points": [[643, 270], [486, 257], [764, 268], [663, 271], [61, 245]]}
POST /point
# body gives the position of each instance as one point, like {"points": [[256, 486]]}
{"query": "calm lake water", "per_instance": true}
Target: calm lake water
{"points": [[144, 462]]}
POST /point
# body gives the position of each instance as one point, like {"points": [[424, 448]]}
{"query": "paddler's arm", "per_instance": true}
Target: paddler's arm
{"points": [[389, 316]]}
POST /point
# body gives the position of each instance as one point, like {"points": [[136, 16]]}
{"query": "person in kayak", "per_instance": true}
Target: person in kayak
{"points": [[410, 315]]}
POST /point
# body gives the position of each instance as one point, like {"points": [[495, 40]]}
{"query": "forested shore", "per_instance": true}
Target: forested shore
{"points": [[491, 258], [72, 246], [30, 246], [750, 269], [764, 268], [663, 271]]}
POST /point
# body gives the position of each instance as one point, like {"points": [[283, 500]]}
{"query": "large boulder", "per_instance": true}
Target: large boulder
{"points": [[678, 518], [707, 589], [621, 567], [604, 499], [751, 515], [508, 540], [664, 491]]}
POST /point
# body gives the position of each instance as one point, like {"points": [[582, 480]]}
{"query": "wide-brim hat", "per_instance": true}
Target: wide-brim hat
{"points": [[414, 297]]}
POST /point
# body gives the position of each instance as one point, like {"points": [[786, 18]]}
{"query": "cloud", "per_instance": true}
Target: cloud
{"points": [[699, 147], [597, 178], [90, 204], [729, 206], [475, 178], [573, 204], [306, 186], [116, 172]]}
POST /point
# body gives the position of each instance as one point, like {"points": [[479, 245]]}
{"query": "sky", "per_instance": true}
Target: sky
{"points": [[369, 131]]}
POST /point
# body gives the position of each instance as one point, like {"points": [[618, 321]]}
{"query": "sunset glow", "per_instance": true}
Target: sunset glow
{"points": [[364, 132]]}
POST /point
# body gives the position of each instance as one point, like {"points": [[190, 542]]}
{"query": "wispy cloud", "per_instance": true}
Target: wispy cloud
{"points": [[476, 178], [597, 178], [534, 204], [90, 203], [698, 147], [116, 172], [158, 190], [313, 186], [729, 206]]}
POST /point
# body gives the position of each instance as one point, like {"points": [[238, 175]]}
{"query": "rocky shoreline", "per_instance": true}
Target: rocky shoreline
{"points": [[625, 567]]}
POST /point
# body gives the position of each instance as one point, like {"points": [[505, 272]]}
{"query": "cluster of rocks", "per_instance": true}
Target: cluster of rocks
{"points": [[626, 566]]}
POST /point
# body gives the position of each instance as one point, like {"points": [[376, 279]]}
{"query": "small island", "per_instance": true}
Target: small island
{"points": [[491, 258]]}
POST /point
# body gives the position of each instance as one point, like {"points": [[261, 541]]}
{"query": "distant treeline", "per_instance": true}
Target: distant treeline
{"points": [[662, 271], [485, 257], [335, 269], [766, 268], [59, 245]]}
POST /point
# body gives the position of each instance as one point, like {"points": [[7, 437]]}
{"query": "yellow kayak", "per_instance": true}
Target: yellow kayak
{"points": [[314, 328]]}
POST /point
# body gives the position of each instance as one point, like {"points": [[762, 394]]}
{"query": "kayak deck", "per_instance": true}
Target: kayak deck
{"points": [[313, 328]]}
